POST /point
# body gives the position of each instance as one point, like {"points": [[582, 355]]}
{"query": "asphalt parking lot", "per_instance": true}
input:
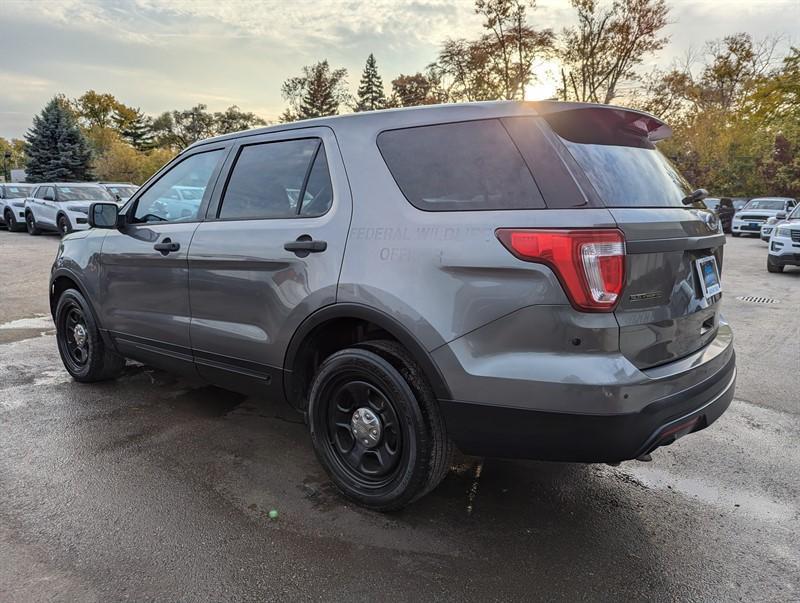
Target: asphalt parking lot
{"points": [[148, 488]]}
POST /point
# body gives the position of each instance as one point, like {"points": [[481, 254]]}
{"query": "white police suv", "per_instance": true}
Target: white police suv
{"points": [[784, 243]]}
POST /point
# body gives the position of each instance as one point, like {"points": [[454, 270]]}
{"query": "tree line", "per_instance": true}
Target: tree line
{"points": [[734, 104]]}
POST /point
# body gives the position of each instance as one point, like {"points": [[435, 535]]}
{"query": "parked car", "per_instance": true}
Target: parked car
{"points": [[121, 191], [62, 206], [770, 224], [739, 203], [784, 243], [12, 205], [516, 279], [756, 213]]}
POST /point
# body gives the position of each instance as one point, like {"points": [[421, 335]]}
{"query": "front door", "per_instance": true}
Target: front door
{"points": [[46, 209], [145, 270], [268, 254]]}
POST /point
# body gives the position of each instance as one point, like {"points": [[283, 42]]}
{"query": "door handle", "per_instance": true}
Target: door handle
{"points": [[305, 245], [166, 246]]}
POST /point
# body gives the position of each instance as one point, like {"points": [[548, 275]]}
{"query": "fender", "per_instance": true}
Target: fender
{"points": [[384, 321], [67, 273]]}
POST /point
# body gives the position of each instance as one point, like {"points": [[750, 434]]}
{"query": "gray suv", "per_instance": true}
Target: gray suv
{"points": [[529, 280]]}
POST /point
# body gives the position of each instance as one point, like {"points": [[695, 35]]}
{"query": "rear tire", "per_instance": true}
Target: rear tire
{"points": [[80, 345], [30, 224], [409, 453]]}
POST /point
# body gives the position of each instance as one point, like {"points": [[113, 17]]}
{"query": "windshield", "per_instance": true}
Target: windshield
{"points": [[18, 192], [82, 193], [771, 204], [122, 191]]}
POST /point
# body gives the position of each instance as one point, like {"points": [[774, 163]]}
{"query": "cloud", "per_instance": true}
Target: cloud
{"points": [[169, 54]]}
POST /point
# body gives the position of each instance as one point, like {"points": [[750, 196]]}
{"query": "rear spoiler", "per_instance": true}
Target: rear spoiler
{"points": [[602, 124]]}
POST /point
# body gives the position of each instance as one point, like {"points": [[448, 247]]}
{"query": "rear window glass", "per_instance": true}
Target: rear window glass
{"points": [[612, 149], [630, 176], [460, 166]]}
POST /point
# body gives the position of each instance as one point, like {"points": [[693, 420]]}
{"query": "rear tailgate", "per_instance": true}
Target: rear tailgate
{"points": [[663, 312]]}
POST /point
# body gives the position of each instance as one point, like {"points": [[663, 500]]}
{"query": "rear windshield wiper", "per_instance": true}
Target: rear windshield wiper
{"points": [[696, 196]]}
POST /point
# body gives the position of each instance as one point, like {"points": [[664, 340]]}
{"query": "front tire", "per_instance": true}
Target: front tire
{"points": [[64, 227], [773, 266], [736, 234], [82, 350], [11, 223], [30, 224], [376, 427]]}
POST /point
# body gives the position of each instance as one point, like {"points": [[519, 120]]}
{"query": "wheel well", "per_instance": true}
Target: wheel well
{"points": [[61, 284], [325, 339]]}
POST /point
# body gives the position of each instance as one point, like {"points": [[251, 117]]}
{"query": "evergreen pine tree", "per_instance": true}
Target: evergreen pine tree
{"points": [[370, 91], [319, 99], [57, 149], [135, 128]]}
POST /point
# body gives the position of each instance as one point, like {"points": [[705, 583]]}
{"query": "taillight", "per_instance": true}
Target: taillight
{"points": [[589, 263]]}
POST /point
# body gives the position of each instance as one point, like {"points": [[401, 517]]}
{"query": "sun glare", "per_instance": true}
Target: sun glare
{"points": [[545, 81]]}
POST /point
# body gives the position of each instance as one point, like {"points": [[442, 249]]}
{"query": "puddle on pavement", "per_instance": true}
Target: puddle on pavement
{"points": [[39, 322], [26, 328], [710, 492]]}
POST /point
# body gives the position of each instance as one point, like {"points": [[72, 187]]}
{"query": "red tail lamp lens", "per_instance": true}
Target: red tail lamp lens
{"points": [[589, 263]]}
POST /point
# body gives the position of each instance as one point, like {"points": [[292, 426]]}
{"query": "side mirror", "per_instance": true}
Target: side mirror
{"points": [[781, 215], [48, 198], [103, 215]]}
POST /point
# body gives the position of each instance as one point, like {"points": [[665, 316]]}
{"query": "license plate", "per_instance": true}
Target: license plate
{"points": [[709, 276], [754, 225]]}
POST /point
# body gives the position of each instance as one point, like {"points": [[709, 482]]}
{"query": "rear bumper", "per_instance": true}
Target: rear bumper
{"points": [[489, 430]]}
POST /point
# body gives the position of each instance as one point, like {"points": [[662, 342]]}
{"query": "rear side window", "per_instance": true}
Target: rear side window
{"points": [[612, 149], [269, 179], [460, 166]]}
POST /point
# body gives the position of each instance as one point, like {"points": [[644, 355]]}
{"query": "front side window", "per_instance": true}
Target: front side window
{"points": [[459, 166], [177, 195], [269, 179], [46, 191]]}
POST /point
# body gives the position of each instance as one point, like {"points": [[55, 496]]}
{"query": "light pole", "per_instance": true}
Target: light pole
{"points": [[6, 174]]}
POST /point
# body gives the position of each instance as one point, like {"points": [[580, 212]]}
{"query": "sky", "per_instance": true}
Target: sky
{"points": [[172, 54]]}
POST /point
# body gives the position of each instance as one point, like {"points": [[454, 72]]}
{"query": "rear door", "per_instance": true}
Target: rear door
{"points": [[268, 254], [664, 312], [145, 272]]}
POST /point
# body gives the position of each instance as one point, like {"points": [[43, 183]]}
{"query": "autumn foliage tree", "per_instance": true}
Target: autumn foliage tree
{"points": [[498, 64], [602, 52]]}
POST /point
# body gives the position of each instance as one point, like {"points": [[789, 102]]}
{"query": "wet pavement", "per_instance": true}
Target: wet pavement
{"points": [[149, 488]]}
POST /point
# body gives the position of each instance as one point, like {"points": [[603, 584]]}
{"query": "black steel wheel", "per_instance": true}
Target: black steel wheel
{"points": [[375, 426], [76, 336], [364, 431], [82, 350]]}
